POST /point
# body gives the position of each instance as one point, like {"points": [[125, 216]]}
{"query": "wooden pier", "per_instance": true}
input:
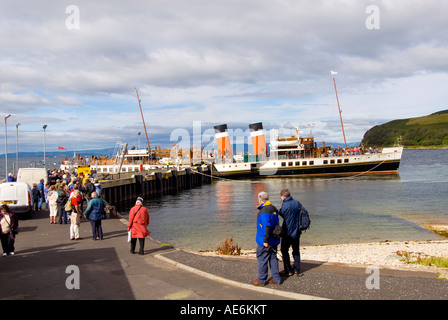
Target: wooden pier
{"points": [[161, 181]]}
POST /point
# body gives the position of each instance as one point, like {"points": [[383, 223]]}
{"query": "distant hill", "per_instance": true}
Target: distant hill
{"points": [[48, 154], [427, 131]]}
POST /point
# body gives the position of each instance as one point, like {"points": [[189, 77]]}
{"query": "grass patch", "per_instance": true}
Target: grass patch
{"points": [[421, 259]]}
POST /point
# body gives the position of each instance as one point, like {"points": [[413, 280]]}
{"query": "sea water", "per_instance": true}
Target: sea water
{"points": [[343, 210]]}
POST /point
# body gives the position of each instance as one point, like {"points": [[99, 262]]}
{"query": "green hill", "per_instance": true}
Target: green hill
{"points": [[427, 131]]}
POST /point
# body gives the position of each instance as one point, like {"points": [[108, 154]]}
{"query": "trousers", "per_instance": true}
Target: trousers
{"points": [[141, 242], [7, 242], [288, 242], [267, 259], [97, 229], [62, 215], [75, 221]]}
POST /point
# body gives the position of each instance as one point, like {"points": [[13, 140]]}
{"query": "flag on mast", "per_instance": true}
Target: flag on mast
{"points": [[333, 72], [61, 148]]}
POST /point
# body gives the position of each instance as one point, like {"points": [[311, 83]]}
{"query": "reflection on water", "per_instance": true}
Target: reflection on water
{"points": [[366, 208]]}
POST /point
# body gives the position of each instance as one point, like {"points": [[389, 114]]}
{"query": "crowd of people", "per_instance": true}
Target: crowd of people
{"points": [[64, 195]]}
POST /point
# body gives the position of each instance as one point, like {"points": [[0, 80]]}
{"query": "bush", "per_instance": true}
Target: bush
{"points": [[229, 248]]}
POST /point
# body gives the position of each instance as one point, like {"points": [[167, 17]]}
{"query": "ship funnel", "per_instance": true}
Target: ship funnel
{"points": [[222, 140], [257, 135]]}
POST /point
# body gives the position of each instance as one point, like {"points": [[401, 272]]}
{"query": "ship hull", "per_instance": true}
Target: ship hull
{"points": [[384, 163]]}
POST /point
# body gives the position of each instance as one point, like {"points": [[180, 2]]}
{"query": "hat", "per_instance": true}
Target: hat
{"points": [[140, 199]]}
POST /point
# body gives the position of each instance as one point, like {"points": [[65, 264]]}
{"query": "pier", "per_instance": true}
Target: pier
{"points": [[128, 186]]}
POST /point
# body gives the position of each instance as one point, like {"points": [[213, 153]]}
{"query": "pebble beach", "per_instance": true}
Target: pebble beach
{"points": [[380, 254]]}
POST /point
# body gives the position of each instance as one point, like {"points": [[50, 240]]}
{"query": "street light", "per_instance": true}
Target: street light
{"points": [[45, 127], [17, 147], [6, 149]]}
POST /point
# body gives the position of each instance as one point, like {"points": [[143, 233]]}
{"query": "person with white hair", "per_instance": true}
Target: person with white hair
{"points": [[138, 224], [95, 213], [267, 219]]}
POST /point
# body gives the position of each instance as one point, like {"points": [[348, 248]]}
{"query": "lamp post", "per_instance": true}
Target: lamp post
{"points": [[6, 149], [17, 147], [44, 127]]}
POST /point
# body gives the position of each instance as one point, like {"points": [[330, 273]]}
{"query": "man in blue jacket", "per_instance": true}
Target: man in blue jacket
{"points": [[290, 212], [267, 219]]}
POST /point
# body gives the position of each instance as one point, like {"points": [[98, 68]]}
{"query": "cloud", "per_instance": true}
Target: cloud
{"points": [[218, 62]]}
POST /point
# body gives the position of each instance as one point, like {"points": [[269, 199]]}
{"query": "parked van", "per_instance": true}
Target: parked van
{"points": [[32, 175], [17, 195]]}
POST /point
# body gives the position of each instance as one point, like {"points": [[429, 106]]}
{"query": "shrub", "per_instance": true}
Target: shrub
{"points": [[229, 248]]}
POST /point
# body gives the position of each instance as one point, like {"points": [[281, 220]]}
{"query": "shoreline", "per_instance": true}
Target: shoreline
{"points": [[380, 254]]}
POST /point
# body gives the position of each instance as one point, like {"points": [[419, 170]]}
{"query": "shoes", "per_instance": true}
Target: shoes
{"points": [[286, 273], [273, 282], [11, 253], [258, 284], [5, 254]]}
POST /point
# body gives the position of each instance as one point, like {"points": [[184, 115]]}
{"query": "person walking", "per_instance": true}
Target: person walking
{"points": [[267, 219], [290, 212], [9, 224], [62, 200], [138, 223], [40, 187], [52, 197], [98, 188], [75, 216], [95, 213], [35, 193], [46, 190]]}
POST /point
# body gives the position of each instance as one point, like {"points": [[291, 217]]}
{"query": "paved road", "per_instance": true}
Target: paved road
{"points": [[40, 270]]}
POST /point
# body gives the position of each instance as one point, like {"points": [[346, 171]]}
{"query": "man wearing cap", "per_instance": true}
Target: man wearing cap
{"points": [[138, 223]]}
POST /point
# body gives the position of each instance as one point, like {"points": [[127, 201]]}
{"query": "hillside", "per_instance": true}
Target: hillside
{"points": [[427, 131]]}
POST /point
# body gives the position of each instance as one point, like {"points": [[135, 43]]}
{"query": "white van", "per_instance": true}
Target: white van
{"points": [[17, 195], [32, 175]]}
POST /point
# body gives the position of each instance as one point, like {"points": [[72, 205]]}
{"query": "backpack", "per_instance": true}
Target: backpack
{"points": [[277, 232], [304, 219], [68, 205], [92, 188]]}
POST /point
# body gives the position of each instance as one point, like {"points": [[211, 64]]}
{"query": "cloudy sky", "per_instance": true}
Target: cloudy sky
{"points": [[75, 66]]}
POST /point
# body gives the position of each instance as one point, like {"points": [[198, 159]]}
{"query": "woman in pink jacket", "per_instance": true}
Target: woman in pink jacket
{"points": [[138, 223]]}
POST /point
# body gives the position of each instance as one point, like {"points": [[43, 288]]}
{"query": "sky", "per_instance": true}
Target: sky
{"points": [[75, 67]]}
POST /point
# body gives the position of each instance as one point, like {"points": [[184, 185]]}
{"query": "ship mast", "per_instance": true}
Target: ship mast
{"points": [[340, 113], [143, 119]]}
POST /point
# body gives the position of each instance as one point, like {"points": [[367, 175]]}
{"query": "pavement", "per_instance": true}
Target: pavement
{"points": [[47, 265]]}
